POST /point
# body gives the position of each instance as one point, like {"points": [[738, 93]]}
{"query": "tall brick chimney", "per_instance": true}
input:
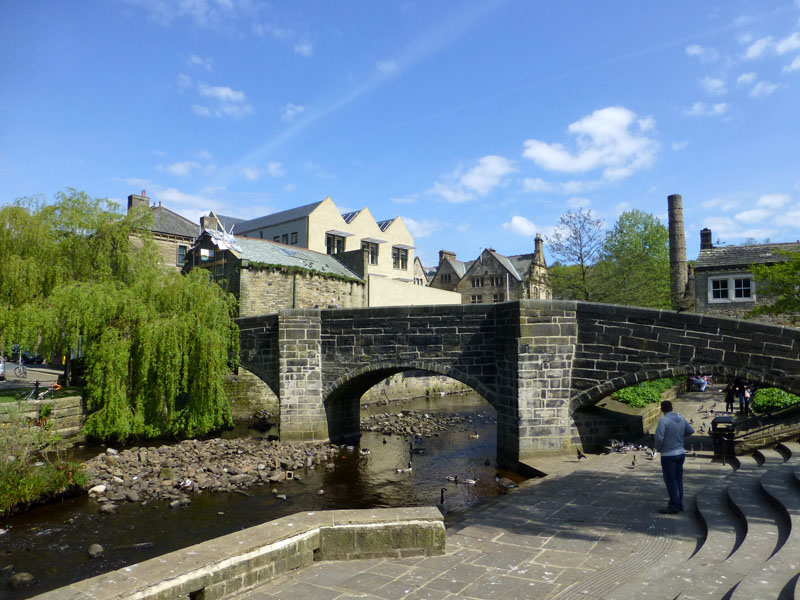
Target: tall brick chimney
{"points": [[677, 250]]}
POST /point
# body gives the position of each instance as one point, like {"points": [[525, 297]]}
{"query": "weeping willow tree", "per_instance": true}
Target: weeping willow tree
{"points": [[157, 344]]}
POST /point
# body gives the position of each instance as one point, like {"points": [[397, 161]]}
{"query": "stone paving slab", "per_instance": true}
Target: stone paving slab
{"points": [[586, 528]]}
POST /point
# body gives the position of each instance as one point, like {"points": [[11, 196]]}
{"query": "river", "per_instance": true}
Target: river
{"points": [[51, 541]]}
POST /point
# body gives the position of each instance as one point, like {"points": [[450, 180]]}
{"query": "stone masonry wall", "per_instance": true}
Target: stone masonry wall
{"points": [[266, 291]]}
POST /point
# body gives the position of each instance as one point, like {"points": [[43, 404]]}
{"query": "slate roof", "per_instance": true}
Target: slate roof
{"points": [[517, 265], [228, 222], [275, 218], [459, 267], [728, 257], [350, 216], [166, 221], [274, 253], [383, 225]]}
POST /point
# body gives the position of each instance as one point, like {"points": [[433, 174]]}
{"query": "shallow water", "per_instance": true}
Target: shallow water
{"points": [[51, 541]]}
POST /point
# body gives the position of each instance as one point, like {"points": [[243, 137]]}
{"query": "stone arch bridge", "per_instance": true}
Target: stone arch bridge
{"points": [[535, 361]]}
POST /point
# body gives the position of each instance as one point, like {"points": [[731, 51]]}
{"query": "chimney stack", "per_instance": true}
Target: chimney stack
{"points": [[677, 249], [446, 254], [705, 239], [137, 199]]}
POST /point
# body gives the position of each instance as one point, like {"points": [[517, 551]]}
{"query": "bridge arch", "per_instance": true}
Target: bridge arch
{"points": [[341, 397], [593, 395]]}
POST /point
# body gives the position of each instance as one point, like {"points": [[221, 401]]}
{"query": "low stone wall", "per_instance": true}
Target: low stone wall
{"points": [[236, 562], [413, 384], [768, 436], [66, 418]]}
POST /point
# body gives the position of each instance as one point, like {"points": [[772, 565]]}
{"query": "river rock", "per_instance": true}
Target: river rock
{"points": [[112, 451], [175, 504], [108, 507], [20, 580], [95, 550], [132, 496], [97, 490]]}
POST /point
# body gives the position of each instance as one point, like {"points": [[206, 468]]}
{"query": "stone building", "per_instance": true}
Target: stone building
{"points": [[321, 227], [494, 277], [172, 233], [721, 281]]}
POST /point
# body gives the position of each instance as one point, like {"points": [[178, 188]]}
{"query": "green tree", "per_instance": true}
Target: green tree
{"points": [[780, 282], [157, 343], [576, 244], [635, 262]]}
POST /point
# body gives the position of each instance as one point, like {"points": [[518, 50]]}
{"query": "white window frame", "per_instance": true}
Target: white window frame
{"points": [[731, 281]]}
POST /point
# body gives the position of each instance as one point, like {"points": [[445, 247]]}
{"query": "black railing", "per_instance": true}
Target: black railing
{"points": [[767, 420]]}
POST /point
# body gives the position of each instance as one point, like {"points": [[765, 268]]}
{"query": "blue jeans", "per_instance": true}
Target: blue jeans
{"points": [[672, 469]]}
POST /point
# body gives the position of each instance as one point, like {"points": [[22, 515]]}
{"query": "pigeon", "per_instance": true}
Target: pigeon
{"points": [[580, 454], [633, 462], [691, 421]]}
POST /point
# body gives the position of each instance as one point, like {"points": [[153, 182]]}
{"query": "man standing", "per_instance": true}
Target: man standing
{"points": [[670, 432]]}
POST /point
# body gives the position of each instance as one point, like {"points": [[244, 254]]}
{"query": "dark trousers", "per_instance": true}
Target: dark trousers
{"points": [[729, 404], [672, 469]]}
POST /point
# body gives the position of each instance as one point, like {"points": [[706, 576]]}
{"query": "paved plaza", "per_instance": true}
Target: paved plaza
{"points": [[590, 529]]}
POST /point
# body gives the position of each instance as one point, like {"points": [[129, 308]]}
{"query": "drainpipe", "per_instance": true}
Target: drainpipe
{"points": [[294, 289]]}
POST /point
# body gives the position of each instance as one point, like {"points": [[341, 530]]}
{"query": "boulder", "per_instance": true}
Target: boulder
{"points": [[95, 550], [21, 580]]}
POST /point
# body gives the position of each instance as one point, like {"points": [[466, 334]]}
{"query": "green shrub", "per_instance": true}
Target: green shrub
{"points": [[648, 392], [769, 398]]}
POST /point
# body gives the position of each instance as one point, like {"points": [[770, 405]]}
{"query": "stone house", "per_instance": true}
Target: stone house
{"points": [[494, 277], [172, 233], [722, 283]]}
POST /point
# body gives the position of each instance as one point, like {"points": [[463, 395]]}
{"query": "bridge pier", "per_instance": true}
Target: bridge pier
{"points": [[300, 376]]}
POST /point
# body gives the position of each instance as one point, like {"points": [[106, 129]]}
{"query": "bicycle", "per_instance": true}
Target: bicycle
{"points": [[50, 391], [21, 370]]}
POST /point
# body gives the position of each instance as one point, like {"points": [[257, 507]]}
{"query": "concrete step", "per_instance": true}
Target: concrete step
{"points": [[792, 450], [782, 568]]}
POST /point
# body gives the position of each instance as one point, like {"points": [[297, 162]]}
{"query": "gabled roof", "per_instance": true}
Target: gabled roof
{"points": [[276, 218], [166, 221], [505, 261], [458, 267], [728, 257]]}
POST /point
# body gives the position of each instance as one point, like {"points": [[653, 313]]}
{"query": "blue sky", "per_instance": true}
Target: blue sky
{"points": [[479, 122]]}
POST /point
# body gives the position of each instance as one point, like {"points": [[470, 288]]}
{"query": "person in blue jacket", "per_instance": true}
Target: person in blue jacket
{"points": [[670, 432]]}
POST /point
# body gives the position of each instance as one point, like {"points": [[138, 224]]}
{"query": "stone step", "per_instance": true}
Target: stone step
{"points": [[770, 579], [764, 528], [792, 449]]}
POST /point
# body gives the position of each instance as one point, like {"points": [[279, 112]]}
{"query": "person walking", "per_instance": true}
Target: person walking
{"points": [[729, 393], [670, 433], [746, 399]]}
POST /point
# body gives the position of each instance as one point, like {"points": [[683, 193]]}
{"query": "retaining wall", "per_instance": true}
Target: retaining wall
{"points": [[236, 562], [66, 418]]}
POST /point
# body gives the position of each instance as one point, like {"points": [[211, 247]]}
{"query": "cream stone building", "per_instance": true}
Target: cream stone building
{"points": [[380, 253], [172, 233]]}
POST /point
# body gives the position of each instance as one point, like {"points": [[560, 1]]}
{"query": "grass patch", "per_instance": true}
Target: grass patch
{"points": [[12, 394], [648, 392], [27, 475]]}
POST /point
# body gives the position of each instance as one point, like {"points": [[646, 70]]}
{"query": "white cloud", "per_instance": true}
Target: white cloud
{"points": [[179, 169], [700, 109], [577, 202], [275, 169], [290, 111], [184, 81], [609, 138], [727, 230], [481, 179], [199, 61], [222, 93], [752, 215], [793, 66], [788, 44], [202, 13], [252, 173], [290, 187], [201, 110], [773, 200], [535, 184], [758, 47], [404, 199], [679, 145], [304, 48], [763, 89], [746, 78], [702, 53], [386, 67], [421, 229], [713, 86], [720, 204], [520, 226]]}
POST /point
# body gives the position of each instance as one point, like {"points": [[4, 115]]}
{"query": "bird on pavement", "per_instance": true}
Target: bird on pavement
{"points": [[633, 462], [580, 454]]}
